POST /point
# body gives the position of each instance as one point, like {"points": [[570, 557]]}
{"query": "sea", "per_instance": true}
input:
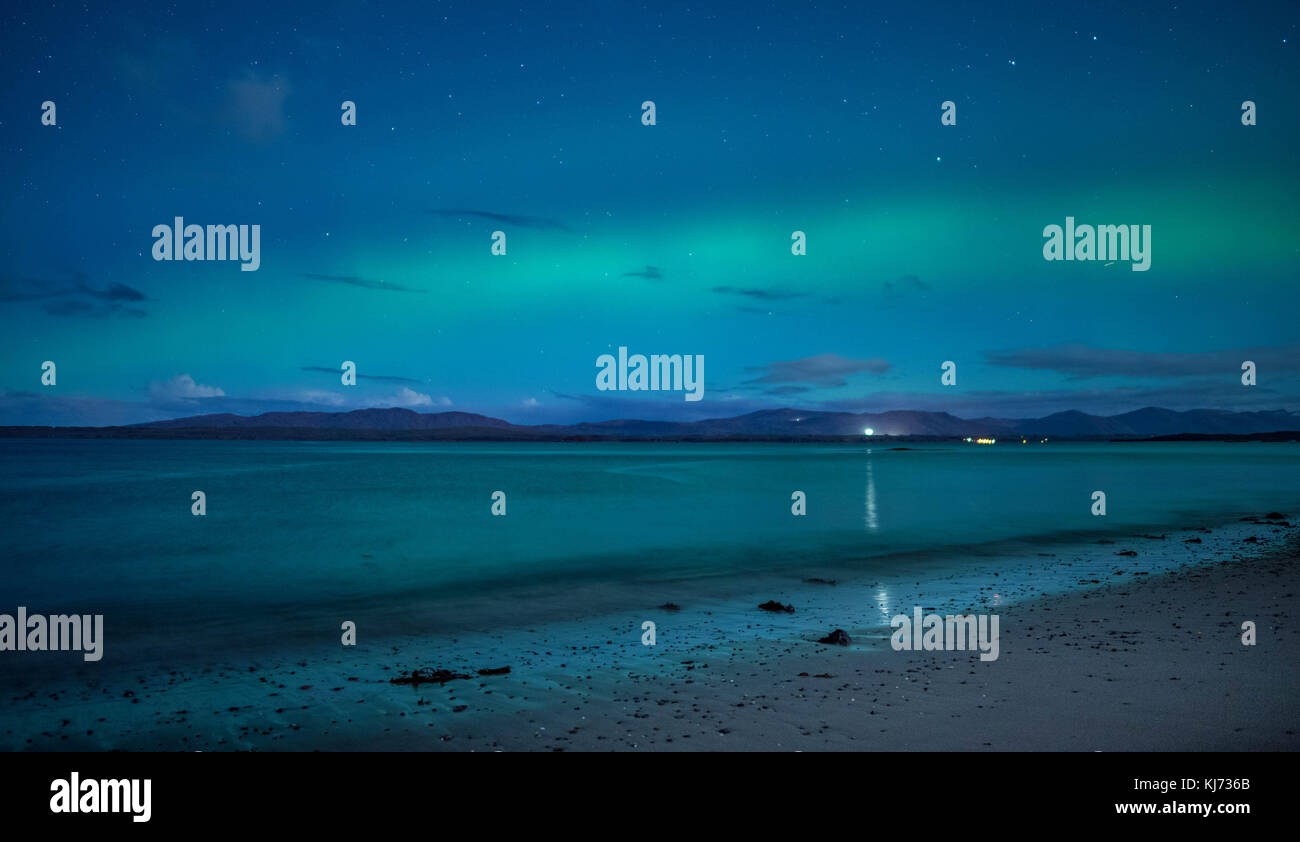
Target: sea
{"points": [[401, 538]]}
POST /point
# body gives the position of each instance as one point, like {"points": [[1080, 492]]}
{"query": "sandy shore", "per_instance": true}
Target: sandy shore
{"points": [[1153, 664], [1142, 654]]}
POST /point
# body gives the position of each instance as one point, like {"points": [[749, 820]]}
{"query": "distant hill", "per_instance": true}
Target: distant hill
{"points": [[1153, 421], [1278, 435], [792, 422], [1073, 424], [778, 424], [357, 419]]}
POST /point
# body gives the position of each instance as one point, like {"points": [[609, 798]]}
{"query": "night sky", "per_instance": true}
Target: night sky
{"points": [[924, 240]]}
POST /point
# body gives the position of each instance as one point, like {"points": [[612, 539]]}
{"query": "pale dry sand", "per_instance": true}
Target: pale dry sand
{"points": [[1153, 664]]}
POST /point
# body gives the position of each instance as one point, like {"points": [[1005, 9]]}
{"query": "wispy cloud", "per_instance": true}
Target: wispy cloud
{"points": [[407, 398], [906, 283], [74, 297], [504, 218], [306, 398], [96, 311], [345, 398], [652, 273], [1081, 362], [116, 292], [356, 281], [823, 370], [769, 294], [182, 387], [383, 378]]}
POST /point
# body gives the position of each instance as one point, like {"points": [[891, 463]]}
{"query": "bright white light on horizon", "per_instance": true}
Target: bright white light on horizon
{"points": [[868, 431]]}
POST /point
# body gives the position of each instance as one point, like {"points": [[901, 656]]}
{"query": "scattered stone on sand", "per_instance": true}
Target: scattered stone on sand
{"points": [[428, 676], [671, 606], [1126, 552], [819, 581], [836, 638], [494, 671], [776, 607]]}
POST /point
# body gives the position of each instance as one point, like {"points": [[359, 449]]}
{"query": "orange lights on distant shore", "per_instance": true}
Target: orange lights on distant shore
{"points": [[971, 440]]}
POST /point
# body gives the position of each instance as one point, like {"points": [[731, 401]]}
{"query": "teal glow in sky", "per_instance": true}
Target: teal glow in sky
{"points": [[924, 241]]}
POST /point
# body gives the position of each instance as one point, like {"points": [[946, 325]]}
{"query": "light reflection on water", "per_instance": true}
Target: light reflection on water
{"points": [[872, 521]]}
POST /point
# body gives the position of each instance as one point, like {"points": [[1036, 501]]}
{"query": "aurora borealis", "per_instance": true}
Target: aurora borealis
{"points": [[924, 240]]}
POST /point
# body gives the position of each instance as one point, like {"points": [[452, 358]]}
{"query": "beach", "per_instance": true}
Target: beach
{"points": [[1138, 652]]}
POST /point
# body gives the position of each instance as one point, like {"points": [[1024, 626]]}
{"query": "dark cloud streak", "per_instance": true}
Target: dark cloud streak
{"points": [[1082, 362], [74, 299], [504, 218], [382, 378], [828, 370], [364, 283], [761, 294]]}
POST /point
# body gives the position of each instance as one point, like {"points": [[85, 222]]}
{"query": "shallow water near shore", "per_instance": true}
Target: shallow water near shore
{"points": [[400, 538]]}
